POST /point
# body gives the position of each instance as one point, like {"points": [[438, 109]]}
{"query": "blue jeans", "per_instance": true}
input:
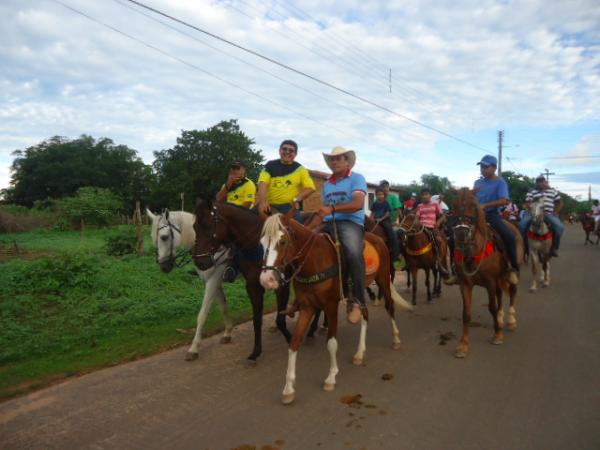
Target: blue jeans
{"points": [[284, 208], [351, 236], [508, 237], [557, 227]]}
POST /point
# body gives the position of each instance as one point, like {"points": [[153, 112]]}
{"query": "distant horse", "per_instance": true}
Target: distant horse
{"points": [[313, 257], [221, 224], [587, 223], [421, 254], [479, 261], [539, 237], [173, 231]]}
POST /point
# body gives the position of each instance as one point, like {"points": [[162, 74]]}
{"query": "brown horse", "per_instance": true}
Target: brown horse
{"points": [[421, 254], [587, 223], [313, 258], [479, 261], [227, 224]]}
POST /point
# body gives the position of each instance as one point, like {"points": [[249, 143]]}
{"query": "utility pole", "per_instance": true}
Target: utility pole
{"points": [[500, 139], [548, 173]]}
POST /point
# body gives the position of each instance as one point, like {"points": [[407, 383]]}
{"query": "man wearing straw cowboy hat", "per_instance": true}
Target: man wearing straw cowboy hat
{"points": [[343, 197]]}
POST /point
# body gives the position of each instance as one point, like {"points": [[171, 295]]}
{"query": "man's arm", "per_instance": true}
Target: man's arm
{"points": [[263, 188], [356, 204], [495, 204], [221, 196]]}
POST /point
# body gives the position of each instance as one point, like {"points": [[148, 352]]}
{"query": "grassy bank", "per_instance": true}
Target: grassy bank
{"points": [[76, 308]]}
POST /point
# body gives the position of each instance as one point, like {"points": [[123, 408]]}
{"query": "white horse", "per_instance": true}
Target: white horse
{"points": [[540, 243], [175, 230]]}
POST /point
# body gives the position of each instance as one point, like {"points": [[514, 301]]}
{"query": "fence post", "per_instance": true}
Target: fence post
{"points": [[139, 232]]}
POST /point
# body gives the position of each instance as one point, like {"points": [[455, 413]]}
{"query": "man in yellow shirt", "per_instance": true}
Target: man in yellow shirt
{"points": [[238, 189], [284, 181]]}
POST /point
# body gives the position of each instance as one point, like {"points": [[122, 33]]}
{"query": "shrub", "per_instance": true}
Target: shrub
{"points": [[93, 206], [122, 244]]}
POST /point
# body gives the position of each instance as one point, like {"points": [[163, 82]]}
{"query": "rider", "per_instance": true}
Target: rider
{"points": [[381, 211], [596, 215], [238, 190], [552, 206], [411, 203], [431, 217], [284, 181], [396, 204], [343, 197], [492, 193]]}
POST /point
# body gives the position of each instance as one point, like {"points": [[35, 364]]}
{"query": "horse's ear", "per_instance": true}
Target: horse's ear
{"points": [[150, 215]]}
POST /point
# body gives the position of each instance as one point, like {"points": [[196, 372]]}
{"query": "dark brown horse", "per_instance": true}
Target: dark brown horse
{"points": [[587, 223], [479, 261], [313, 260], [423, 253], [227, 224]]}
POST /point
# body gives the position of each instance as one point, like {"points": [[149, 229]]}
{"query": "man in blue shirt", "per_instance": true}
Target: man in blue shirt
{"points": [[343, 200], [381, 211], [492, 193]]}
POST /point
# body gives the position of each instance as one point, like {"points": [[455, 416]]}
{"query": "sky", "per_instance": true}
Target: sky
{"points": [[460, 71]]}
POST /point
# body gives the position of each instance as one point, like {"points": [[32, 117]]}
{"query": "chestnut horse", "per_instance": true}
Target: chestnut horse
{"points": [[479, 261], [421, 254], [539, 237], [226, 224], [587, 223], [313, 258]]}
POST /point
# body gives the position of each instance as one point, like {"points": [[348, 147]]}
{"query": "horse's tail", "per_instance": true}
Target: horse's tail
{"points": [[398, 300]]}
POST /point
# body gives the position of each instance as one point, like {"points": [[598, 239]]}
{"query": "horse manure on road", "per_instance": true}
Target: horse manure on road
{"points": [[352, 400], [387, 376], [445, 337]]}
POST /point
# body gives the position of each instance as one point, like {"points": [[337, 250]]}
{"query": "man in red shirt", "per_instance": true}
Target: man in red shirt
{"points": [[431, 217]]}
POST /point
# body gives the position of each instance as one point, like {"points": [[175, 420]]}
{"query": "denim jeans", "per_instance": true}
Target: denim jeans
{"points": [[557, 227], [285, 208], [351, 236], [495, 220], [392, 238]]}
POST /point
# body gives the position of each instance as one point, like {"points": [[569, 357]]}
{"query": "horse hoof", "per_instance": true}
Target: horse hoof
{"points": [[288, 399], [396, 345], [358, 361], [225, 340], [377, 303], [461, 351], [191, 356], [328, 387], [498, 340], [532, 290], [250, 362]]}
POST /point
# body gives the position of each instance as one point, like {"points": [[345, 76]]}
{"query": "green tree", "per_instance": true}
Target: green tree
{"points": [[198, 164], [95, 206], [518, 185], [59, 166]]}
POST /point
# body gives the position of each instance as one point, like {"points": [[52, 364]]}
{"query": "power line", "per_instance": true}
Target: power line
{"points": [[306, 75]]}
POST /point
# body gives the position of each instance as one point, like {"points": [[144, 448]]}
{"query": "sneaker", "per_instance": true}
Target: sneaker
{"points": [[230, 274], [355, 314]]}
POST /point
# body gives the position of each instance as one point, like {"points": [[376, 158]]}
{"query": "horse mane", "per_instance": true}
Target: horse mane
{"points": [[272, 226]]}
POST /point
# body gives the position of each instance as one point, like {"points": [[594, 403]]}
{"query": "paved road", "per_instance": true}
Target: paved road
{"points": [[540, 390]]}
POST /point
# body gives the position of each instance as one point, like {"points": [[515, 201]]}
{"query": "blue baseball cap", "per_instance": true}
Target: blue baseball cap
{"points": [[488, 160]]}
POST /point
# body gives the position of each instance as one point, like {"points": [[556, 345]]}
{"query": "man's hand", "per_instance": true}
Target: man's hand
{"points": [[325, 210], [231, 180], [264, 208]]}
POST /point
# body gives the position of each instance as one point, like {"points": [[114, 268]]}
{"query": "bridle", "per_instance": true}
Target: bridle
{"points": [[179, 258], [467, 224], [280, 269]]}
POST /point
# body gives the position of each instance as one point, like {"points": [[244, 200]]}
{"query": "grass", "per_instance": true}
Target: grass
{"points": [[79, 309]]}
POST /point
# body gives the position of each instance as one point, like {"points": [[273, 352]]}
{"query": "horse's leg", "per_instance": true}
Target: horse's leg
{"points": [[414, 271], [462, 350], [289, 393], [512, 312], [533, 254], [209, 295], [283, 297], [256, 294], [359, 356], [224, 306], [547, 273], [493, 292], [332, 345], [500, 313], [428, 285]]}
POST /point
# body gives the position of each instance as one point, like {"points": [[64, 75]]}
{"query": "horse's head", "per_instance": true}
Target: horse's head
{"points": [[211, 232], [410, 223], [537, 214], [468, 217], [166, 234], [277, 242]]}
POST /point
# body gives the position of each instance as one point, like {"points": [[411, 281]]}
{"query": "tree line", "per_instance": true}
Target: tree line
{"points": [[57, 169]]}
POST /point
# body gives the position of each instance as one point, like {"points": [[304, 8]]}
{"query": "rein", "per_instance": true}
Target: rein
{"points": [[487, 247], [409, 232], [179, 258]]}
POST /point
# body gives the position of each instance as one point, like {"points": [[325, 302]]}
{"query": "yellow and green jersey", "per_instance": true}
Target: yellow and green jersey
{"points": [[285, 181], [242, 192]]}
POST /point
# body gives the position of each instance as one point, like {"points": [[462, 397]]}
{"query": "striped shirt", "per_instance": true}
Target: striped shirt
{"points": [[427, 213], [551, 197]]}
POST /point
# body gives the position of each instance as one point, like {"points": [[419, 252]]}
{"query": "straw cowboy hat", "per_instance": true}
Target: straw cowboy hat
{"points": [[350, 155]]}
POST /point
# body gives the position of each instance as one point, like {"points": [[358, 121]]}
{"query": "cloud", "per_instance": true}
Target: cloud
{"points": [[585, 177]]}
